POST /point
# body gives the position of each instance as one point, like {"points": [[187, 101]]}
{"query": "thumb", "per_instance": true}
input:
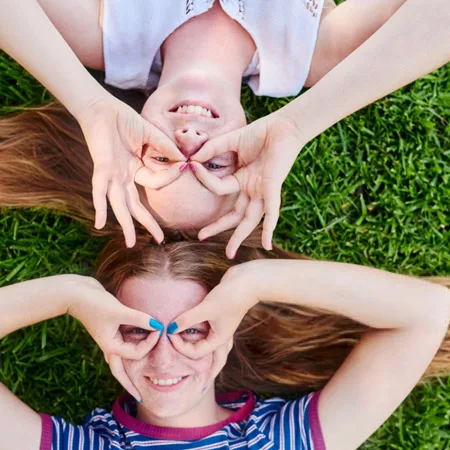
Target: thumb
{"points": [[156, 180], [219, 186], [154, 137]]}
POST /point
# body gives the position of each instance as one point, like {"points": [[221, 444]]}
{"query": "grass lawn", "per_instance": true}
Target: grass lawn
{"points": [[372, 190]]}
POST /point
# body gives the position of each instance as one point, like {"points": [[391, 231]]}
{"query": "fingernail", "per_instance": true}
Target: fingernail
{"points": [[157, 325], [138, 401], [204, 389], [271, 246], [183, 167], [192, 167], [172, 328]]}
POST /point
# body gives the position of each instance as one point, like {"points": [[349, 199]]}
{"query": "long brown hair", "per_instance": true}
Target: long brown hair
{"points": [[44, 161], [277, 348]]}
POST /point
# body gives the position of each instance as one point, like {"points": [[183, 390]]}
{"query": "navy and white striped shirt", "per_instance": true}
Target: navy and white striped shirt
{"points": [[255, 424]]}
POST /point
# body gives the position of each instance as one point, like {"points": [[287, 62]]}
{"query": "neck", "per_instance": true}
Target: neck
{"points": [[206, 412], [211, 44]]}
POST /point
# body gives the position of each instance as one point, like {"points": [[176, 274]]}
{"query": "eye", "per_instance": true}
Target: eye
{"points": [[136, 331], [161, 159], [212, 166], [193, 335], [134, 334]]}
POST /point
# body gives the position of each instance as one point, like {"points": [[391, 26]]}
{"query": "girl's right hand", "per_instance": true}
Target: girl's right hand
{"points": [[224, 308], [102, 315], [116, 136]]}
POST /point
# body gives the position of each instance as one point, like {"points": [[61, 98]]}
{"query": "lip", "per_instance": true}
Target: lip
{"points": [[197, 103], [171, 388]]}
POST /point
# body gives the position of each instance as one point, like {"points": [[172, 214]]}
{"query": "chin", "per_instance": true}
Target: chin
{"points": [[165, 408]]}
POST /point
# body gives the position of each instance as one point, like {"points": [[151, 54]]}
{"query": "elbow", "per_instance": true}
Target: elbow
{"points": [[437, 314]]}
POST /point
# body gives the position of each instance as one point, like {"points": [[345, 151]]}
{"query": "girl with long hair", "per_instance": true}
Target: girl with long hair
{"points": [[352, 340], [196, 54]]}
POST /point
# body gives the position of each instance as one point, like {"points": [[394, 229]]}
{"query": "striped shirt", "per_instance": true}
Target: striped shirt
{"points": [[254, 424]]}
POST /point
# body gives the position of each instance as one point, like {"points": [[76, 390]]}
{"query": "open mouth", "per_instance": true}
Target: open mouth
{"points": [[195, 108], [165, 385]]}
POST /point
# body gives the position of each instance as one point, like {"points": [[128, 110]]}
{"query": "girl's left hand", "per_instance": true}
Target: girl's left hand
{"points": [[266, 149]]}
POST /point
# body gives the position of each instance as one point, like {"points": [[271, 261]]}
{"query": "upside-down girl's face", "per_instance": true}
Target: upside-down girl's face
{"points": [[191, 110], [170, 383]]}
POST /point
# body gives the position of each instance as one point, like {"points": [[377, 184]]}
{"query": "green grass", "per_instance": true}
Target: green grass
{"points": [[373, 190]]}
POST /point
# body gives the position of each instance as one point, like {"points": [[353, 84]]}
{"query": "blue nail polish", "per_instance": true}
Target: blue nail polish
{"points": [[157, 325], [138, 401], [172, 328], [204, 389]]}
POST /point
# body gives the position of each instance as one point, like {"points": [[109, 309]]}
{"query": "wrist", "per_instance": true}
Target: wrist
{"points": [[93, 105]]}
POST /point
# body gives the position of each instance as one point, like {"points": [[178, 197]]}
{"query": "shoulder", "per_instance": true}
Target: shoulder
{"points": [[99, 430]]}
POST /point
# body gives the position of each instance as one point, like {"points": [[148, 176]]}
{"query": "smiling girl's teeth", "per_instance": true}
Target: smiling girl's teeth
{"points": [[168, 382], [194, 109]]}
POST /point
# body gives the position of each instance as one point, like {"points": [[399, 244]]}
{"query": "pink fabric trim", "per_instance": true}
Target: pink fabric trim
{"points": [[314, 422], [186, 434], [47, 432]]}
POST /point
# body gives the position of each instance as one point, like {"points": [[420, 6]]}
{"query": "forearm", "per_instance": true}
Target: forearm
{"points": [[33, 301], [374, 297], [414, 42], [28, 36]]}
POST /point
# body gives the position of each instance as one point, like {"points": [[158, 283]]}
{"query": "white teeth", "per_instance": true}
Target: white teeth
{"points": [[194, 109], [168, 382]]}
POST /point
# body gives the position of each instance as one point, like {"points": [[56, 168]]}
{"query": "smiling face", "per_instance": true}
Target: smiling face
{"points": [[190, 110], [171, 385]]}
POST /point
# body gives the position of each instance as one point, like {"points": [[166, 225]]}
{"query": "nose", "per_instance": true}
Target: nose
{"points": [[163, 354], [189, 140]]}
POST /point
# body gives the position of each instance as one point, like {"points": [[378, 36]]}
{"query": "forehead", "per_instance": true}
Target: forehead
{"points": [[163, 298]]}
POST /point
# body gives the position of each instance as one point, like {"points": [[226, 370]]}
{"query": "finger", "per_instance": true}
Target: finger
{"points": [[272, 203], [220, 357], [222, 144], [140, 319], [99, 191], [156, 180], [198, 350], [252, 218], [119, 205], [219, 186], [203, 312], [142, 214], [228, 221], [158, 140], [118, 370], [129, 350]]}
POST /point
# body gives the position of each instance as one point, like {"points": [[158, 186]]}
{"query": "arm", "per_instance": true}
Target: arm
{"points": [[41, 299], [114, 132], [28, 36], [414, 42], [410, 318], [344, 29], [86, 300]]}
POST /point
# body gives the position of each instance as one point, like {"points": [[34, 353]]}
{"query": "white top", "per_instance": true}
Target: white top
{"points": [[284, 31]]}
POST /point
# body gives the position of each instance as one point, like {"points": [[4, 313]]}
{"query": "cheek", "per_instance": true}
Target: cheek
{"points": [[201, 367]]}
